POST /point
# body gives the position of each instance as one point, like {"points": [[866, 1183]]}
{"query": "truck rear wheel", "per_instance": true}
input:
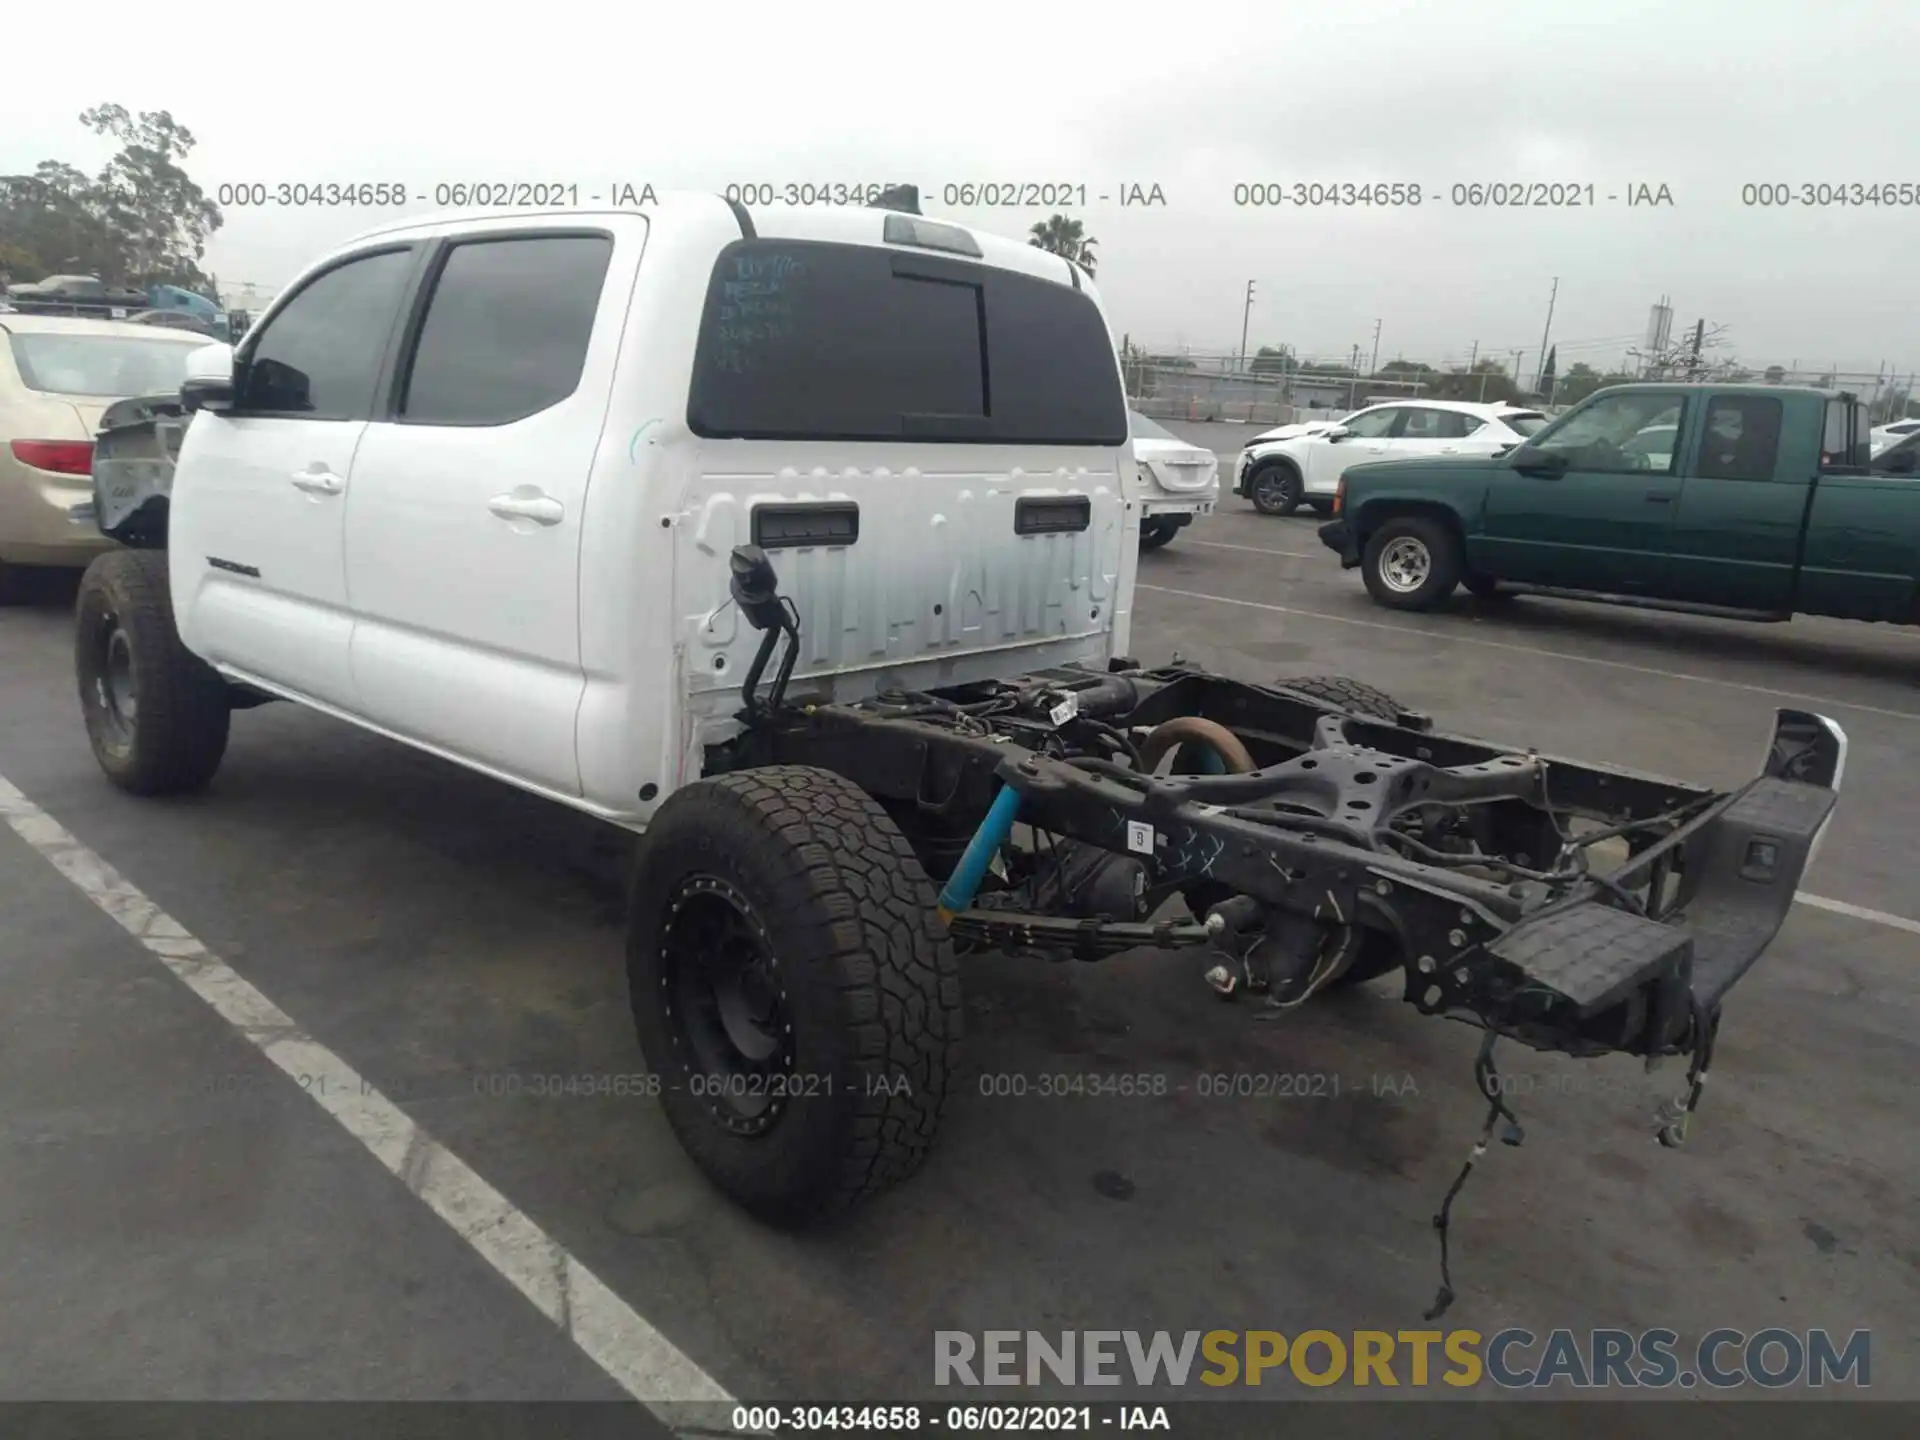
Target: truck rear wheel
{"points": [[156, 714], [793, 988], [1412, 562], [1352, 695]]}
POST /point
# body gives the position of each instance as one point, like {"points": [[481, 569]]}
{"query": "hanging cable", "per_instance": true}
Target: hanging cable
{"points": [[1487, 1077]]}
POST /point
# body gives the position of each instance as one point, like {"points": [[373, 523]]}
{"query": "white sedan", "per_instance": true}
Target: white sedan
{"points": [[1176, 481], [1296, 465]]}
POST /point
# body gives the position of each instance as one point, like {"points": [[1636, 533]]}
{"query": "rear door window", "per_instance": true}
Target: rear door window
{"points": [[506, 329], [808, 340], [319, 356], [1428, 423], [1742, 438]]}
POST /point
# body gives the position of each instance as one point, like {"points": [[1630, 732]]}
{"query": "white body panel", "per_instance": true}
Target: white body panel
{"points": [[269, 495], [546, 600]]}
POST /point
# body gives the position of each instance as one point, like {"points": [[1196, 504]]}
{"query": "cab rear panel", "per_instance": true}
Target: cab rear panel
{"points": [[931, 443]]}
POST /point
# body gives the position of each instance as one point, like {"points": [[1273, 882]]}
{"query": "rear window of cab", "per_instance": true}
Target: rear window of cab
{"points": [[812, 340]]}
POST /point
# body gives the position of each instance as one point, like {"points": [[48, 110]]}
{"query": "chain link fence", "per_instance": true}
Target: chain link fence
{"points": [[1266, 390]]}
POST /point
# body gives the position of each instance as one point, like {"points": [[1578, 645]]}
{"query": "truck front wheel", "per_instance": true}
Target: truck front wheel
{"points": [[1412, 562], [792, 987], [156, 714]]}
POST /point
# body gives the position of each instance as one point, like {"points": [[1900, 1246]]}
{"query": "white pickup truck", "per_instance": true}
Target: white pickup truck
{"points": [[477, 485], [547, 494]]}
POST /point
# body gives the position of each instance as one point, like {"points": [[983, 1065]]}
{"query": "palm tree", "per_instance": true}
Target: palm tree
{"points": [[1060, 236]]}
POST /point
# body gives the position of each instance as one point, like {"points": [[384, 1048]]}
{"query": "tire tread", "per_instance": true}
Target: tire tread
{"points": [[879, 938], [184, 715]]}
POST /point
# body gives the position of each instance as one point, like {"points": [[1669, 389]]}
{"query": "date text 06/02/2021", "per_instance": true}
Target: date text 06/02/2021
{"points": [[955, 1419], [1461, 195], [443, 194], [1011, 194]]}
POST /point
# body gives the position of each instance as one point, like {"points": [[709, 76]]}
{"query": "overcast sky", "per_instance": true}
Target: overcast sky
{"points": [[1701, 96]]}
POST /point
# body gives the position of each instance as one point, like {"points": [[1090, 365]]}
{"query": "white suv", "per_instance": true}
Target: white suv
{"points": [[1295, 465]]}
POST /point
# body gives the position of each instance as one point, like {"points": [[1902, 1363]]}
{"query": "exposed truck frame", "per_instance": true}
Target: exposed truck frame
{"points": [[825, 851]]}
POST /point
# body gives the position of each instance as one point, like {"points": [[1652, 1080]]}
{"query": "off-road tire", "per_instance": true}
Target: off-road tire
{"points": [[1438, 549], [1284, 493], [1155, 533], [866, 968], [1353, 695], [177, 733], [1379, 952]]}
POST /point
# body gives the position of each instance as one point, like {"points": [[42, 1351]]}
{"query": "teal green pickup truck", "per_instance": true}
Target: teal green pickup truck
{"points": [[1756, 502]]}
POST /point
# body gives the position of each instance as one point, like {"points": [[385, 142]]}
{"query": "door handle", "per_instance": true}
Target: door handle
{"points": [[1659, 497], [318, 482], [540, 508]]}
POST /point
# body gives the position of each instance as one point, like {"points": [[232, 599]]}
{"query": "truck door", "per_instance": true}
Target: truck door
{"points": [[1736, 530], [463, 522], [1603, 523], [255, 542]]}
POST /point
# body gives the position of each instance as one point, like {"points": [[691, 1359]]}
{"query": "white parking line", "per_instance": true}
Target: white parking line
{"points": [[1859, 912], [1453, 637], [1249, 549], [641, 1360]]}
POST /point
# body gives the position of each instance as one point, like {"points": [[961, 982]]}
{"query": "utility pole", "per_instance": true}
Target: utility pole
{"points": [[1553, 295], [1373, 365], [1245, 315], [1473, 355], [1518, 356]]}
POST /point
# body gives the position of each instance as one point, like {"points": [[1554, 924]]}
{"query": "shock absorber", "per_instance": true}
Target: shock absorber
{"points": [[994, 829]]}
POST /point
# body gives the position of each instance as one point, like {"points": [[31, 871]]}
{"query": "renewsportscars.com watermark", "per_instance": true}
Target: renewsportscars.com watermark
{"points": [[1511, 1359]]}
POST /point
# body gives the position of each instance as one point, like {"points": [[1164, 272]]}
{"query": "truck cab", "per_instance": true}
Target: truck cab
{"points": [[474, 483]]}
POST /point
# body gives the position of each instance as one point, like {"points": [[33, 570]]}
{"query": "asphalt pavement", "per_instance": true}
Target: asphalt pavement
{"points": [[181, 1221]]}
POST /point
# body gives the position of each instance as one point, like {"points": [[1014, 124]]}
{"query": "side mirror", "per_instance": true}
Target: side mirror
{"points": [[1337, 434], [1547, 464], [1902, 464], [209, 381]]}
